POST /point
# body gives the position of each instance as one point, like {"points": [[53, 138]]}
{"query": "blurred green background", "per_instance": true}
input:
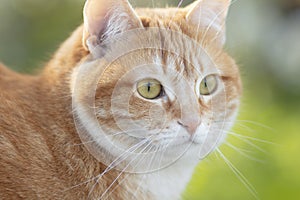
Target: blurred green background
{"points": [[264, 37]]}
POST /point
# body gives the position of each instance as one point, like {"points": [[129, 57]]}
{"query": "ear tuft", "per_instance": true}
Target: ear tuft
{"points": [[106, 18], [209, 15]]}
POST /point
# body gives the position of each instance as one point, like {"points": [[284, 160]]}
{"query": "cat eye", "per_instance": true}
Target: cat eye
{"points": [[149, 88], [208, 85]]}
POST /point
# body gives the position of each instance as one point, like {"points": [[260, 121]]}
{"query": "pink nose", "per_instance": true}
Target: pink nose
{"points": [[191, 125]]}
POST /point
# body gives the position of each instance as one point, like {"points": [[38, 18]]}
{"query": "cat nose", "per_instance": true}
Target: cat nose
{"points": [[190, 125]]}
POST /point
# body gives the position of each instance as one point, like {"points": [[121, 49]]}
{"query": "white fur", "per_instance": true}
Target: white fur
{"points": [[169, 183]]}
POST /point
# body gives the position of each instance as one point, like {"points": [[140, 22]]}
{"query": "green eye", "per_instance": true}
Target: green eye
{"points": [[149, 88], [208, 85]]}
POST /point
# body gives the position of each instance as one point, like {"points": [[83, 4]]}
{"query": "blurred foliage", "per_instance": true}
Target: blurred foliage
{"points": [[263, 35]]}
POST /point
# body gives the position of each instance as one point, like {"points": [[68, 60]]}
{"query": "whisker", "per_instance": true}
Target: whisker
{"points": [[113, 164], [83, 143], [253, 145], [239, 175], [144, 175], [241, 123], [257, 124], [246, 140], [97, 140], [245, 127], [128, 131], [241, 151], [252, 138], [108, 188], [214, 153], [110, 166], [157, 149], [120, 182]]}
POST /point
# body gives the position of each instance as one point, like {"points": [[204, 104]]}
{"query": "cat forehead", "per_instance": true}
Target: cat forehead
{"points": [[177, 66], [172, 54], [162, 64]]}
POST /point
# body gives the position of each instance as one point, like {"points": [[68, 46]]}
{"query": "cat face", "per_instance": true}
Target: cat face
{"points": [[157, 88]]}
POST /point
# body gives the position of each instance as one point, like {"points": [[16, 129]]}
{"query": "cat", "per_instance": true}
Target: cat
{"points": [[125, 109]]}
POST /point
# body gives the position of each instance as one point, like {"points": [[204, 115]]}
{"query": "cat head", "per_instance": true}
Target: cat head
{"points": [[158, 86]]}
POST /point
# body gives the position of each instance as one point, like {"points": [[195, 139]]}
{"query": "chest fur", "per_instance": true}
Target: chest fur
{"points": [[168, 183]]}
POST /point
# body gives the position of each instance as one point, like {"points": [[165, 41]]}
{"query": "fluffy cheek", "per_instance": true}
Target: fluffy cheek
{"points": [[216, 120], [147, 114]]}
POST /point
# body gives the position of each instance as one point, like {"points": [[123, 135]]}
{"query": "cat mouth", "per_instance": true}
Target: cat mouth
{"points": [[178, 142]]}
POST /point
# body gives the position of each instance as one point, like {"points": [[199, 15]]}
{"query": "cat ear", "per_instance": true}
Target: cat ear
{"points": [[209, 15], [106, 18]]}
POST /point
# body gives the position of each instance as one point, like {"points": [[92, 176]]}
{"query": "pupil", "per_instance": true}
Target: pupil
{"points": [[205, 83], [149, 86]]}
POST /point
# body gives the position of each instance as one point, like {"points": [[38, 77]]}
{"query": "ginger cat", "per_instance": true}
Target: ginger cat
{"points": [[125, 108]]}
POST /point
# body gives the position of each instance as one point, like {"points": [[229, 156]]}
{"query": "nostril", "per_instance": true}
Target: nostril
{"points": [[181, 124], [190, 126]]}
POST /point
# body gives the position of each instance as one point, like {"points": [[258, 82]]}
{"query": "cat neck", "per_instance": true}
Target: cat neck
{"points": [[169, 183]]}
